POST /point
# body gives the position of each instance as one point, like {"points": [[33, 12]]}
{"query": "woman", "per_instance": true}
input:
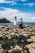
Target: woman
{"points": [[15, 20]]}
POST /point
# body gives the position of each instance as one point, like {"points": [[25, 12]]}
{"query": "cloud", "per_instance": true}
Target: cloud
{"points": [[23, 0], [2, 0], [13, 2], [29, 4], [11, 13], [9, 2]]}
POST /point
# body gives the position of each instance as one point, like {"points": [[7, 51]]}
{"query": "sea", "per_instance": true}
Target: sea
{"points": [[25, 23]]}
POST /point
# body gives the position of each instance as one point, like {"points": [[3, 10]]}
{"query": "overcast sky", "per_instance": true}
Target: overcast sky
{"points": [[21, 8]]}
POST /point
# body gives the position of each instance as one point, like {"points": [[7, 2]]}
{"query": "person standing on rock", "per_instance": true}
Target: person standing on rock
{"points": [[21, 23], [15, 20]]}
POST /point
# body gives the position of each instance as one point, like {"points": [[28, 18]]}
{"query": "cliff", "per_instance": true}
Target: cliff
{"points": [[4, 20]]}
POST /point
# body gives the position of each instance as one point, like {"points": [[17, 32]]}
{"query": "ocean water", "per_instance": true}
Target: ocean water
{"points": [[25, 23], [8, 24], [29, 23]]}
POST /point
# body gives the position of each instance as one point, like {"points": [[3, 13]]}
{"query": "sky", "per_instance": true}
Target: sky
{"points": [[20, 8]]}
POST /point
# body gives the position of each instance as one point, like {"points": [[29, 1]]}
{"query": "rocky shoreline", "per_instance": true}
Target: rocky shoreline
{"points": [[17, 40]]}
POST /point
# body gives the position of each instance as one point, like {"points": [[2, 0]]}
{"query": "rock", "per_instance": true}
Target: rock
{"points": [[5, 29], [32, 50], [13, 33], [5, 32], [9, 51], [0, 45], [18, 47], [0, 28], [0, 34], [29, 40], [10, 31], [18, 34], [1, 50], [31, 47], [9, 37], [33, 38]]}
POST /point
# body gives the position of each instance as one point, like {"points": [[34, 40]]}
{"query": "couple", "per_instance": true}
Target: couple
{"points": [[15, 22]]}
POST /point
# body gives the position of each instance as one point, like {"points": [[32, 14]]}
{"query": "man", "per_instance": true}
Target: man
{"points": [[21, 23]]}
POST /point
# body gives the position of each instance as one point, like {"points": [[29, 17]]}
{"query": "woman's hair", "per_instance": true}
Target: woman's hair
{"points": [[15, 17]]}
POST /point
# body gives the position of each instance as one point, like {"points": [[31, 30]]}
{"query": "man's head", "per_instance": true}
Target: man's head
{"points": [[21, 19]]}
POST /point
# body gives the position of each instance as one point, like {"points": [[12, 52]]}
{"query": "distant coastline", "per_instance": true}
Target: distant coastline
{"points": [[4, 20]]}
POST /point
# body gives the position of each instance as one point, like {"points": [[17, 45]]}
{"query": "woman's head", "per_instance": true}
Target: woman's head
{"points": [[15, 18]]}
